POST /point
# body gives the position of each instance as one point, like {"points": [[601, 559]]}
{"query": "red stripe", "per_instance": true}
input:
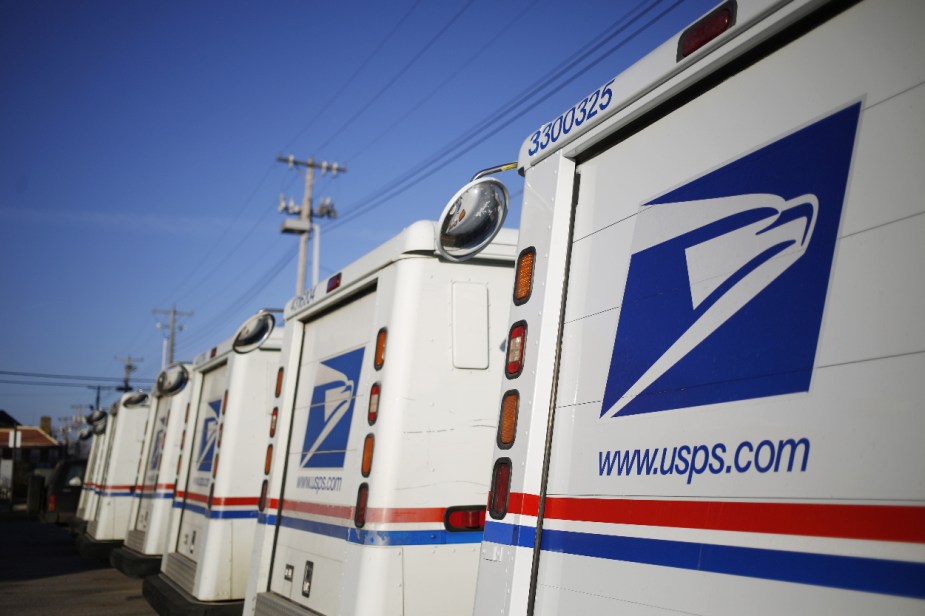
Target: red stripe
{"points": [[195, 496], [235, 501], [871, 522], [524, 504], [128, 487], [273, 503], [380, 515]]}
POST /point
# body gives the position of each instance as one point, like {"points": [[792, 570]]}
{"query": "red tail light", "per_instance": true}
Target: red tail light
{"points": [[262, 503], [52, 502], [273, 417], [359, 514], [373, 413], [462, 519], [516, 343], [500, 489], [333, 282]]}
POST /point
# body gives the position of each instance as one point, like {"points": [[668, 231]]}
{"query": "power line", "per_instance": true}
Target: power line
{"points": [[65, 376], [457, 148], [368, 102], [48, 384]]}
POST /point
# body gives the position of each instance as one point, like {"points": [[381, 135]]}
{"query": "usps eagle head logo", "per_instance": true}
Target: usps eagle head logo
{"points": [[209, 436], [331, 411], [728, 277]]}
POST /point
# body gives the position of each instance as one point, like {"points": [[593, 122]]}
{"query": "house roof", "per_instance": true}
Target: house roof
{"points": [[31, 437]]}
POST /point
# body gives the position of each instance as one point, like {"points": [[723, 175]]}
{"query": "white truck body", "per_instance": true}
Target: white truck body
{"points": [[221, 458], [721, 396], [108, 516], [89, 489], [319, 549], [155, 480]]}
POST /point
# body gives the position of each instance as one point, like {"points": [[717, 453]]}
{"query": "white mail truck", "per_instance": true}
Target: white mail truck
{"points": [[713, 392], [211, 531], [97, 420], [146, 538], [107, 516], [375, 479]]}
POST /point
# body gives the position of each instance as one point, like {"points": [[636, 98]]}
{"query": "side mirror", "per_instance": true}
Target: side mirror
{"points": [[171, 380], [255, 331], [139, 398], [75, 482], [472, 219]]}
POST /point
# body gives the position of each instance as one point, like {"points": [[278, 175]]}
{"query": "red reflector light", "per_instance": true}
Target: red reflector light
{"points": [[461, 519], [221, 430], [212, 352], [52, 502], [262, 503], [516, 341], [379, 359], [507, 423], [707, 29], [373, 414], [273, 417], [500, 488], [214, 465], [279, 381], [367, 464], [269, 460], [359, 514], [224, 402], [333, 282], [523, 278]]}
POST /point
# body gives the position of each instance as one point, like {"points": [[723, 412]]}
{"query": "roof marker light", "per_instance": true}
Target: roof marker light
{"points": [[706, 29], [523, 280], [516, 341], [333, 282]]}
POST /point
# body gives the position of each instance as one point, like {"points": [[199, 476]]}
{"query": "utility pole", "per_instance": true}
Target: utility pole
{"points": [[130, 367], [173, 313], [304, 225]]}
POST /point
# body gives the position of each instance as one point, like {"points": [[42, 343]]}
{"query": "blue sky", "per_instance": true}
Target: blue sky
{"points": [[138, 144]]}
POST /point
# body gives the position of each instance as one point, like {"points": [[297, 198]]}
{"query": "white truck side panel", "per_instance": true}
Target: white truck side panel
{"points": [[735, 527]]}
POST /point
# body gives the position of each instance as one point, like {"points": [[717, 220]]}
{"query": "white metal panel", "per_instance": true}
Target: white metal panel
{"points": [[470, 325]]}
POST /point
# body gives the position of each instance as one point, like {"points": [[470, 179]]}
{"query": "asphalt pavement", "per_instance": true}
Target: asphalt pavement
{"points": [[41, 572]]}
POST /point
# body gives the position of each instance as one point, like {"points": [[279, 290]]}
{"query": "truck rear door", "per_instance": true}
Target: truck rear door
{"points": [[737, 425]]}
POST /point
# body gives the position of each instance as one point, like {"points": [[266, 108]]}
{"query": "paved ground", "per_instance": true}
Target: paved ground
{"points": [[41, 572]]}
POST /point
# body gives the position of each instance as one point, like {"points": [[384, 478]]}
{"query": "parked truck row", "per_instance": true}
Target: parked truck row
{"points": [[690, 382]]}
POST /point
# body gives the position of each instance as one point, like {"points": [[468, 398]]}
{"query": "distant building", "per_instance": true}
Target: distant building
{"points": [[35, 450]]}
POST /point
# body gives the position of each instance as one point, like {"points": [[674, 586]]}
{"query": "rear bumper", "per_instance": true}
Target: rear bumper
{"points": [[168, 600], [77, 526], [135, 564], [97, 550]]}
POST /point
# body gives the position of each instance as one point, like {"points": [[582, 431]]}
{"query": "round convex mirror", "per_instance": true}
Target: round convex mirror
{"points": [[472, 219], [255, 331], [96, 416], [100, 426], [138, 398], [172, 379], [85, 434]]}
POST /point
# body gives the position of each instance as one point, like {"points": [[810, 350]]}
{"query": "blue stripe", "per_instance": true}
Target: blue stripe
{"points": [[888, 577], [157, 495], [218, 514], [381, 537], [107, 494], [266, 518]]}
